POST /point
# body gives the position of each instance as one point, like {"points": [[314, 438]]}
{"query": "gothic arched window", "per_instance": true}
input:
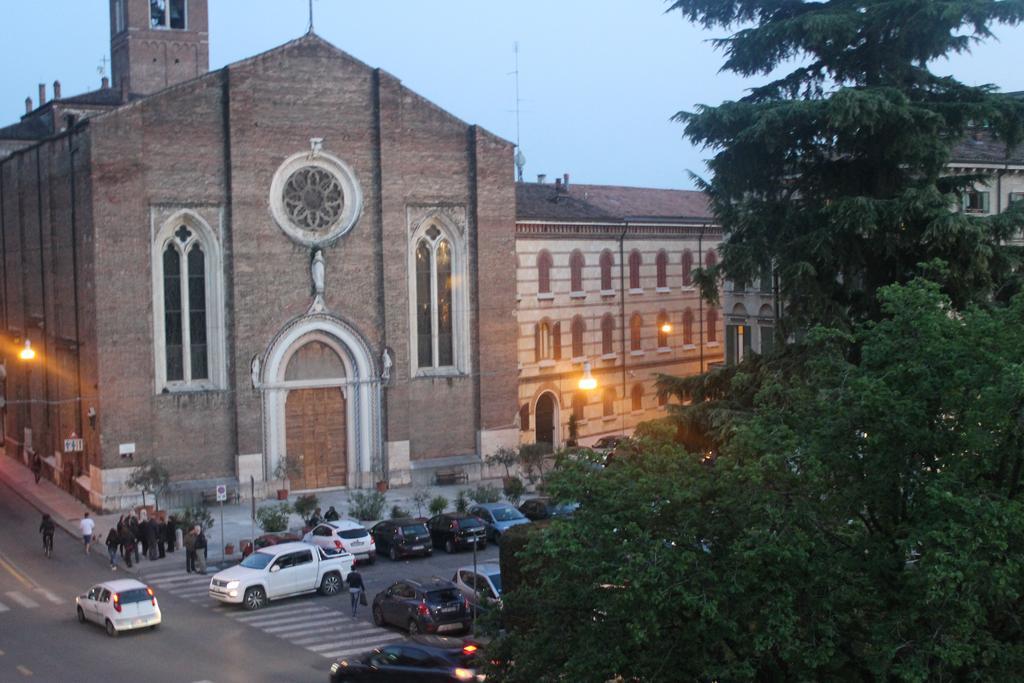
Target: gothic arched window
{"points": [[607, 261], [662, 331], [636, 324], [687, 268], [543, 272], [688, 326], [712, 325], [578, 328], [661, 264], [576, 263], [435, 346], [638, 397], [635, 261], [186, 305], [607, 334]]}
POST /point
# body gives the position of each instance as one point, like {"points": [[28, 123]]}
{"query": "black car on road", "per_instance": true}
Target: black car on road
{"points": [[453, 531], [402, 537], [421, 660], [423, 606]]}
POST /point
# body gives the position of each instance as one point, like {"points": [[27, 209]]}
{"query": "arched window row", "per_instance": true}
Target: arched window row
{"points": [[606, 261]]}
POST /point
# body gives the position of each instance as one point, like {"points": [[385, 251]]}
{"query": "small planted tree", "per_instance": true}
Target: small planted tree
{"points": [[514, 488], [150, 477], [305, 504], [504, 457], [366, 505], [438, 504], [273, 518], [420, 499]]}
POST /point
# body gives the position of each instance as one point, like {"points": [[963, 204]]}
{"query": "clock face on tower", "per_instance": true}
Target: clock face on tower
{"points": [[314, 197]]}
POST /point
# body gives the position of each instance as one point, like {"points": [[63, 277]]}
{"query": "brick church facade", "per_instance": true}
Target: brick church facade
{"points": [[291, 255]]}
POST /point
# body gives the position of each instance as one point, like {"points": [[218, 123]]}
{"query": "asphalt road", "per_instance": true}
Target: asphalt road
{"points": [[41, 640], [200, 641]]}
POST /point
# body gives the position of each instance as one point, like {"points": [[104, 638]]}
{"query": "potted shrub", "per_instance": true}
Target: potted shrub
{"points": [[382, 486], [305, 505], [287, 467]]}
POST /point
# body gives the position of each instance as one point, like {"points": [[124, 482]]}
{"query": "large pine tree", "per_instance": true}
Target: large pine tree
{"points": [[835, 173]]}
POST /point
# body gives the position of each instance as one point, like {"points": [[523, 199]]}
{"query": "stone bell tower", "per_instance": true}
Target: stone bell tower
{"points": [[155, 44]]}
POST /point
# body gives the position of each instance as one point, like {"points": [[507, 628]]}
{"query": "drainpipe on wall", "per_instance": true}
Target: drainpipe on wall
{"points": [[622, 320], [700, 299]]}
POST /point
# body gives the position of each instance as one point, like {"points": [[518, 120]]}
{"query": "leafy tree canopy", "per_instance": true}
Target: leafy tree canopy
{"points": [[835, 173], [864, 522]]}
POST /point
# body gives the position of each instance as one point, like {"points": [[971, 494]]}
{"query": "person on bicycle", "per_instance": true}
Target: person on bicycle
{"points": [[46, 528]]}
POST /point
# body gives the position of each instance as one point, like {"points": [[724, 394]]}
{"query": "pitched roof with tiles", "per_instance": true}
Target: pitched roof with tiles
{"points": [[983, 148], [544, 201]]}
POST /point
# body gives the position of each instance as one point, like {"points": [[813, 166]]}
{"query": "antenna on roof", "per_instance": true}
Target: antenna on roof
{"points": [[102, 68], [520, 158], [310, 16]]}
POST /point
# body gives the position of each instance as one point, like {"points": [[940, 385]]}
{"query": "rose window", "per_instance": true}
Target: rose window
{"points": [[313, 198]]}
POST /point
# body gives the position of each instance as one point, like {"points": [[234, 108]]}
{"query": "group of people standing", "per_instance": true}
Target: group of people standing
{"points": [[156, 537], [195, 550]]}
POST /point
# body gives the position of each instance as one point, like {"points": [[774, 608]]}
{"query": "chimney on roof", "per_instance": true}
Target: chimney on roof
{"points": [[541, 177], [124, 89], [104, 82], [56, 90], [42, 94], [565, 181], [558, 184], [28, 105]]}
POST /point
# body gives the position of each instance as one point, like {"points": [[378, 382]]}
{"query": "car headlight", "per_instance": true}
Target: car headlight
{"points": [[334, 668], [232, 584]]}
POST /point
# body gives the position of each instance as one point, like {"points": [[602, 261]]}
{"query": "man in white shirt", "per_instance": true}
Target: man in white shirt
{"points": [[87, 525]]}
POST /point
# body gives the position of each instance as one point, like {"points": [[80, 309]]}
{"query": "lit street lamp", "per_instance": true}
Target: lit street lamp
{"points": [[27, 353], [587, 381]]}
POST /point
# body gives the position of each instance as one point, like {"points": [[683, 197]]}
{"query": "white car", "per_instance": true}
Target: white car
{"points": [[344, 534], [119, 605], [481, 588], [279, 571]]}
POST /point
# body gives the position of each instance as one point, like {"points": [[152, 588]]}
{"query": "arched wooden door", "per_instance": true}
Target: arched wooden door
{"points": [[316, 437], [545, 419]]}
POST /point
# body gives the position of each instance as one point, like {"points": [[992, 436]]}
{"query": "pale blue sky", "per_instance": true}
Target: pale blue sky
{"points": [[599, 79]]}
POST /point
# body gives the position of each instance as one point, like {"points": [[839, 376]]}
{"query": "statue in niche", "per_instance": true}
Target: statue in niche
{"points": [[254, 371], [316, 270], [385, 363]]}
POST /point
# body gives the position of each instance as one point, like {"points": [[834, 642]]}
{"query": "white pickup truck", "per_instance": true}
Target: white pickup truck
{"points": [[279, 571]]}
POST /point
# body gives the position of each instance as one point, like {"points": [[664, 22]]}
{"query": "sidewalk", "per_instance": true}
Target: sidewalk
{"points": [[237, 525]]}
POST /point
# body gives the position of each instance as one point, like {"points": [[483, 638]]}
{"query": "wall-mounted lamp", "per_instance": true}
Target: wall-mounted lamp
{"points": [[587, 381], [91, 414], [27, 352]]}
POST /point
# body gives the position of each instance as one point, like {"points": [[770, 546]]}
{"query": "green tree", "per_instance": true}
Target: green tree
{"points": [[150, 477], [834, 174], [863, 522]]}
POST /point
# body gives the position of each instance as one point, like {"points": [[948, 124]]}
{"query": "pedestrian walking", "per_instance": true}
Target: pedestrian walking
{"points": [[127, 544], [37, 467], [87, 525], [133, 526], [172, 533], [190, 551], [355, 590], [201, 551], [113, 541], [149, 539], [161, 535]]}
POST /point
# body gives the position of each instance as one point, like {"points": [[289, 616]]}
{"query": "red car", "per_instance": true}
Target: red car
{"points": [[268, 540]]}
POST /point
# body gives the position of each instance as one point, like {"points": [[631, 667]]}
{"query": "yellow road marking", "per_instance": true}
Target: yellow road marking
{"points": [[24, 670], [6, 564]]}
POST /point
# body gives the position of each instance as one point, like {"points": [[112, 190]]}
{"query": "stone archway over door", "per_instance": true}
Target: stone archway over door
{"points": [[316, 437]]}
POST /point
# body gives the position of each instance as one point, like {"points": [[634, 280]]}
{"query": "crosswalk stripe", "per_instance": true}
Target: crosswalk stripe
{"points": [[50, 596], [342, 652], [353, 642], [312, 625], [200, 590], [22, 600], [279, 619], [312, 639], [3, 607], [180, 581], [246, 617]]}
